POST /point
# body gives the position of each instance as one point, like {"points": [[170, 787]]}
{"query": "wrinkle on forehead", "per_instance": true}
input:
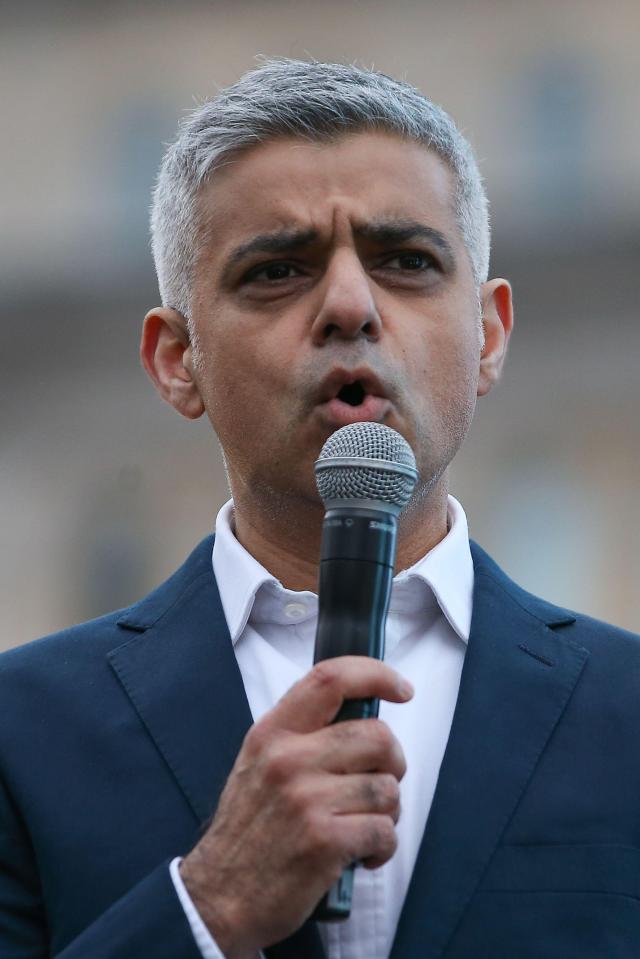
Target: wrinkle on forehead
{"points": [[325, 186], [382, 232]]}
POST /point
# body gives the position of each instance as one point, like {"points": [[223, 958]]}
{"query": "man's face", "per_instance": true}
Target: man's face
{"points": [[335, 287]]}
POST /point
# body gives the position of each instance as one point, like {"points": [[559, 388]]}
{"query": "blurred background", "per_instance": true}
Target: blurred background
{"points": [[104, 489]]}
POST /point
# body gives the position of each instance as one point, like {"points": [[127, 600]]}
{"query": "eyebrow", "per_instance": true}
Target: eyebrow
{"points": [[384, 232], [278, 241], [390, 230]]}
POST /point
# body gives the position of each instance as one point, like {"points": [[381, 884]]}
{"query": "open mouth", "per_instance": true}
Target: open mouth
{"points": [[352, 393], [362, 398]]}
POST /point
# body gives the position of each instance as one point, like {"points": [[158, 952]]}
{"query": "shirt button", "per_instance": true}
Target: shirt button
{"points": [[295, 610]]}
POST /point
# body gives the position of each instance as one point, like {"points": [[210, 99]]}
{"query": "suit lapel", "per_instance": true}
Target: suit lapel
{"points": [[178, 668], [516, 681]]}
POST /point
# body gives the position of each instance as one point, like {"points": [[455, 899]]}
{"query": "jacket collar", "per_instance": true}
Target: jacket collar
{"points": [[177, 666], [519, 673]]}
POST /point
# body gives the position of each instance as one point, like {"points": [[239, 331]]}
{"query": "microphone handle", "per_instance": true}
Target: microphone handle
{"points": [[356, 572]]}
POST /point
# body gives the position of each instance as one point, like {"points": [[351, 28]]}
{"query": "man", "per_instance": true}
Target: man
{"points": [[321, 239]]}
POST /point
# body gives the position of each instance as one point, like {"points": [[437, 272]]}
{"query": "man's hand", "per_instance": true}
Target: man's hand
{"points": [[303, 800]]}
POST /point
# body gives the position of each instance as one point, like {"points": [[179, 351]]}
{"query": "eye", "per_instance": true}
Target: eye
{"points": [[272, 272], [412, 261]]}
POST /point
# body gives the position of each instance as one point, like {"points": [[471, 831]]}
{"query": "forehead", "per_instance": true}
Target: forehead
{"points": [[355, 179]]}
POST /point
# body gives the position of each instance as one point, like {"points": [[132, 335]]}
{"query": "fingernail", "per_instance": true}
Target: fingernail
{"points": [[405, 689]]}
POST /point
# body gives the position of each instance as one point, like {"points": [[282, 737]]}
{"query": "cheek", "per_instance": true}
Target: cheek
{"points": [[445, 375], [447, 363], [239, 388]]}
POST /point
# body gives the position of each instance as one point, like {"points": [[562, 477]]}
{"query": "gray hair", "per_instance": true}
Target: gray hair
{"points": [[314, 101]]}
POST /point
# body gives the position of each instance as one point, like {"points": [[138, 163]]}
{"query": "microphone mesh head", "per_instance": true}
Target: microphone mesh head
{"points": [[366, 461]]}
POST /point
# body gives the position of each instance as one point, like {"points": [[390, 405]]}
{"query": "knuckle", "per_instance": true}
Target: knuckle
{"points": [[345, 732], [257, 739], [382, 737], [298, 802], [278, 763], [317, 836], [323, 674], [370, 794], [385, 838], [388, 750], [388, 792]]}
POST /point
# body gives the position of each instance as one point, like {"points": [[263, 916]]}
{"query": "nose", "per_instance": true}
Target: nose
{"points": [[348, 309]]}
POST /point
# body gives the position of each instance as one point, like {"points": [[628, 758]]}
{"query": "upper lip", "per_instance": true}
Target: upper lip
{"points": [[333, 383]]}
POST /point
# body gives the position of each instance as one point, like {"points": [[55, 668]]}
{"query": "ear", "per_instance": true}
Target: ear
{"points": [[497, 323], [166, 354]]}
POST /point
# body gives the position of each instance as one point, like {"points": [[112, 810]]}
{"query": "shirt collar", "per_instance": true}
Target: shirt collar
{"points": [[446, 572]]}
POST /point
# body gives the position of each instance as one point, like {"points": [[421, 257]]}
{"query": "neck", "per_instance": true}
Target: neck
{"points": [[285, 537]]}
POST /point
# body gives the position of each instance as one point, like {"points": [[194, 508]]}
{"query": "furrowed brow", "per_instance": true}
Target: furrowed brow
{"points": [[388, 232], [279, 241]]}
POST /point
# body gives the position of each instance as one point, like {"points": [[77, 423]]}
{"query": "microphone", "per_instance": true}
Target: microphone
{"points": [[366, 473]]}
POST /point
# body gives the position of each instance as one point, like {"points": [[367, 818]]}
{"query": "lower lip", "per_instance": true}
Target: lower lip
{"points": [[336, 413]]}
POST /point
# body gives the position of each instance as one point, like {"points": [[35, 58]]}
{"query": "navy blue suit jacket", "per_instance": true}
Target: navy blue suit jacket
{"points": [[116, 738]]}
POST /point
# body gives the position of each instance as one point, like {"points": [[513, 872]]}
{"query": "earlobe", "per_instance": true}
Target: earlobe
{"points": [[497, 322], [165, 353]]}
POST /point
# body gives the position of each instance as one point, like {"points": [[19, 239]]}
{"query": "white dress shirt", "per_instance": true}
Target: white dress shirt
{"points": [[273, 631]]}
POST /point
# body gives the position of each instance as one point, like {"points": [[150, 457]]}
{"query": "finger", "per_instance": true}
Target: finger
{"points": [[357, 746], [360, 793], [369, 839], [314, 701]]}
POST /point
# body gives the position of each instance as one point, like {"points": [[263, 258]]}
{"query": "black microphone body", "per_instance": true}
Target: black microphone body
{"points": [[366, 474], [356, 571]]}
